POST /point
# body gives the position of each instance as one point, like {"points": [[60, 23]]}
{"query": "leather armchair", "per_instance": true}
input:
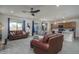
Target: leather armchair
{"points": [[54, 44]]}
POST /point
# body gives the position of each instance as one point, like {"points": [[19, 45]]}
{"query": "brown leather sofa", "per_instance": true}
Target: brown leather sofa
{"points": [[17, 35], [50, 44]]}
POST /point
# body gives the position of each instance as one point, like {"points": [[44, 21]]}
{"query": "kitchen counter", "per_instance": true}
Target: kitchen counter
{"points": [[68, 35]]}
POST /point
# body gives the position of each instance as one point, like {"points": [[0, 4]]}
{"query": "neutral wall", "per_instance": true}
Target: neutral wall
{"points": [[30, 23], [77, 26], [39, 25], [27, 20], [4, 20]]}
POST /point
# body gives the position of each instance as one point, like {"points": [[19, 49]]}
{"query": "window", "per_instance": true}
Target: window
{"points": [[12, 25], [19, 25], [15, 26]]}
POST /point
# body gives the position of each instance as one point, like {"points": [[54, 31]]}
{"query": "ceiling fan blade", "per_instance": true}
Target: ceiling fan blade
{"points": [[35, 11]]}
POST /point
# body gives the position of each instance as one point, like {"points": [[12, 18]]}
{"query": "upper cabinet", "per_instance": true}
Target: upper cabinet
{"points": [[66, 25]]}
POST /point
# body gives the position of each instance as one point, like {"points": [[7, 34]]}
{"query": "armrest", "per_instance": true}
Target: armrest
{"points": [[39, 44], [41, 40]]}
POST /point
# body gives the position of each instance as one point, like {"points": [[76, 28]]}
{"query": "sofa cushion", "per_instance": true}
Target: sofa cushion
{"points": [[46, 37], [38, 44], [24, 32], [18, 32], [12, 33]]}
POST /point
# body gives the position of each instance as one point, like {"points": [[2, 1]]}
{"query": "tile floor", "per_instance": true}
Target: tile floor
{"points": [[22, 46]]}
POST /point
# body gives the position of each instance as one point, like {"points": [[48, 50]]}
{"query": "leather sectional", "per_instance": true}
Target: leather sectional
{"points": [[49, 44], [14, 35]]}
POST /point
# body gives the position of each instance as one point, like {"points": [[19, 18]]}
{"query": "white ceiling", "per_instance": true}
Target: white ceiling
{"points": [[46, 11], [6, 9]]}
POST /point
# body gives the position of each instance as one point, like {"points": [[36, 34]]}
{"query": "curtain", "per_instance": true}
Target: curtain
{"points": [[32, 28], [8, 26], [23, 25]]}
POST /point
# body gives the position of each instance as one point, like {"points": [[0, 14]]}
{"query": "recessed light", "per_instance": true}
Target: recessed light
{"points": [[62, 17], [12, 11], [57, 5]]}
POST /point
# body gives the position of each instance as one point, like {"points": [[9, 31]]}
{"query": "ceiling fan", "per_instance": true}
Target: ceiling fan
{"points": [[32, 11]]}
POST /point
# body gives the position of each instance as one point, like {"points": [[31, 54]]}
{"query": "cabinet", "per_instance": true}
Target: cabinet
{"points": [[71, 26], [67, 25]]}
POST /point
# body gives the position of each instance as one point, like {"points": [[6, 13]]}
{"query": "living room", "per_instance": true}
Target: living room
{"points": [[22, 24]]}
